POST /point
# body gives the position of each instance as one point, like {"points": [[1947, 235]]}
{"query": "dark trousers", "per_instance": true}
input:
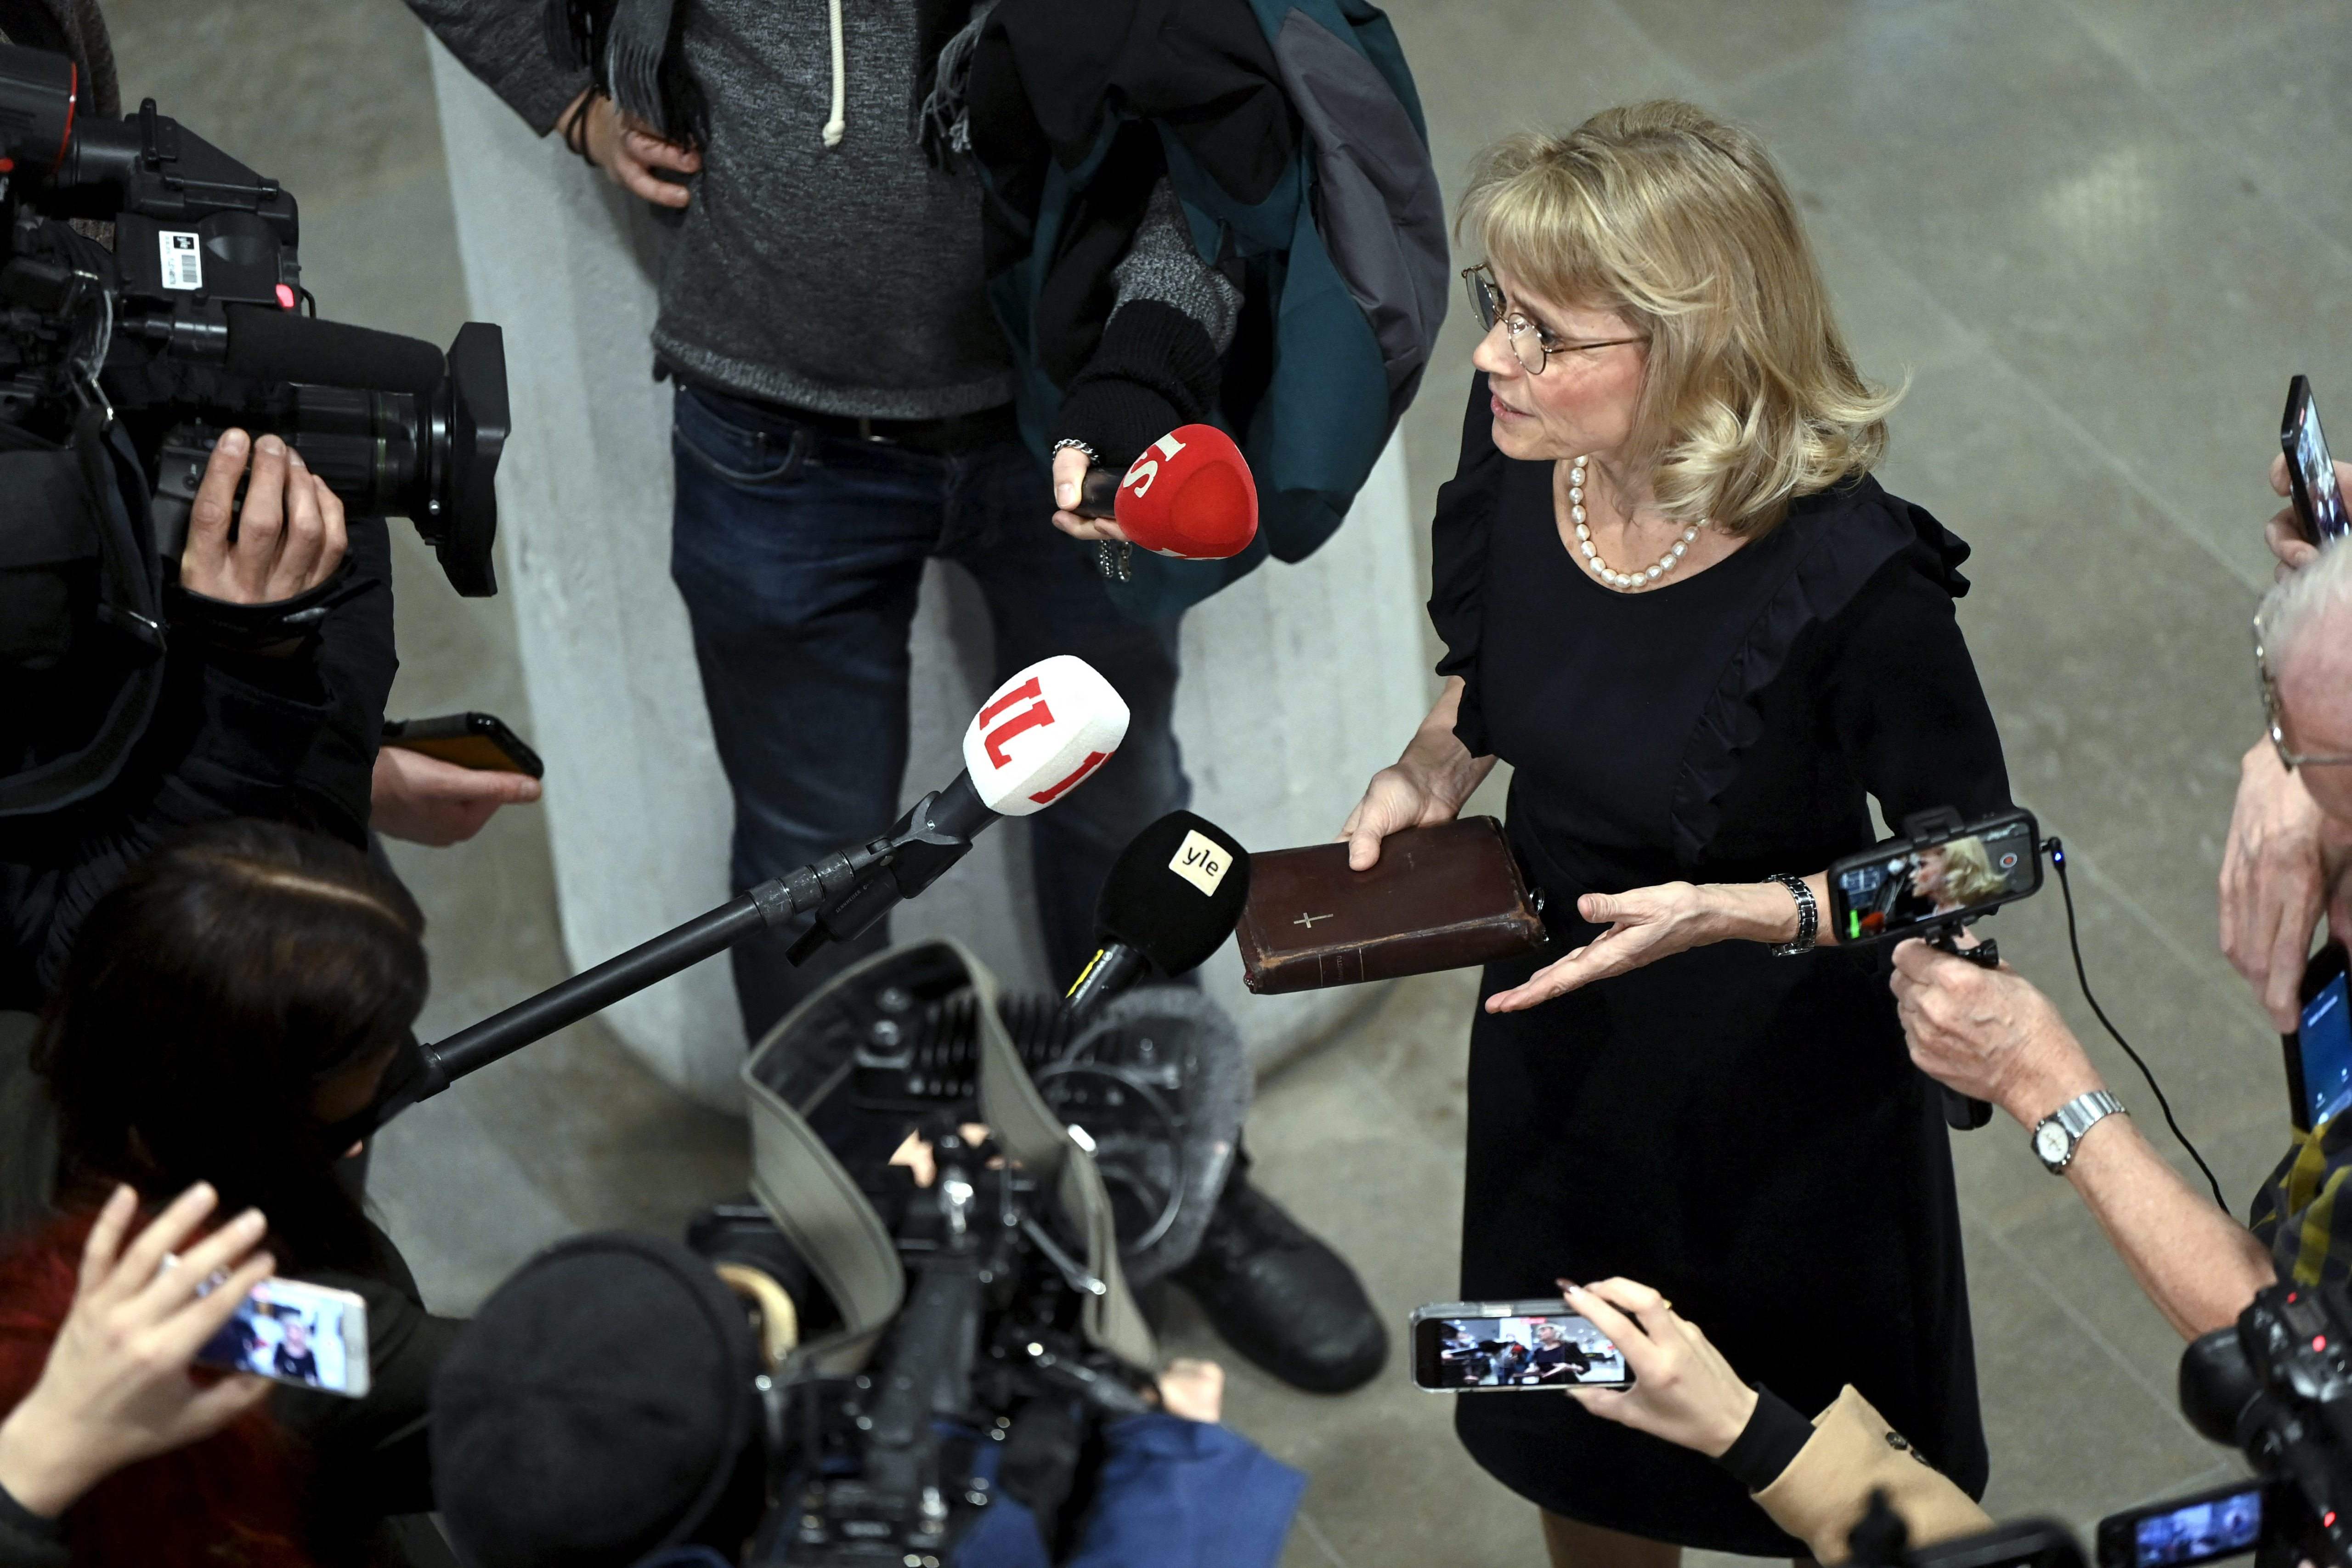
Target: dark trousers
{"points": [[800, 556]]}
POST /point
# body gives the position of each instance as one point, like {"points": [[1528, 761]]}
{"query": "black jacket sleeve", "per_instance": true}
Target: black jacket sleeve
{"points": [[28, 1541], [289, 739]]}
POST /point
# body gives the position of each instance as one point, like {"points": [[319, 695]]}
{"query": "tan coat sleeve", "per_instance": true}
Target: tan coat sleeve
{"points": [[1852, 1452]]}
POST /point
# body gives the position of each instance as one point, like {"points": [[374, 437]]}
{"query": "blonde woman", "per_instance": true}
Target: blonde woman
{"points": [[1675, 600], [1956, 875]]}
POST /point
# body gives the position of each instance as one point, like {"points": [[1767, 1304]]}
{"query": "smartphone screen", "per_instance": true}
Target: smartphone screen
{"points": [[1547, 1347], [2311, 473], [1908, 884], [2192, 1530], [2322, 1044], [307, 1335]]}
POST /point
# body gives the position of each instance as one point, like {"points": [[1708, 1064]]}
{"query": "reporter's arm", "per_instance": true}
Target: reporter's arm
{"points": [[1991, 1034], [1815, 1483], [1426, 785], [1851, 1453]]}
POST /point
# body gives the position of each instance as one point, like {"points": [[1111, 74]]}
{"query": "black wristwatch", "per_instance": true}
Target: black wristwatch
{"points": [[1808, 917]]}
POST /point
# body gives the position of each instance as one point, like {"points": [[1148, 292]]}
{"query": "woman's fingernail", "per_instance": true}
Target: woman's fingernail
{"points": [[271, 446], [232, 442], [295, 458], [250, 1220], [1067, 495]]}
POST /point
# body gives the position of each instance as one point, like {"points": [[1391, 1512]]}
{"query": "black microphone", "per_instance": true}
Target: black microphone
{"points": [[280, 345], [1172, 900]]}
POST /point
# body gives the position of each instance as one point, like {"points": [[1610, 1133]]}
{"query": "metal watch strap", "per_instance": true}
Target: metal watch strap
{"points": [[1808, 917], [2074, 1118]]}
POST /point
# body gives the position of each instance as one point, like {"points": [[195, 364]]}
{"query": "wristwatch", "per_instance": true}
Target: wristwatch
{"points": [[2057, 1135]]}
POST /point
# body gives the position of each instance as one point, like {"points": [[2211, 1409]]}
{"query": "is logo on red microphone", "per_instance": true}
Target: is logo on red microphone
{"points": [[1190, 496], [1042, 734]]}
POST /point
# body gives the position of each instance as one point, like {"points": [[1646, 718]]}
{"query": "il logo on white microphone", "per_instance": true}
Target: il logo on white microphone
{"points": [[1042, 732]]}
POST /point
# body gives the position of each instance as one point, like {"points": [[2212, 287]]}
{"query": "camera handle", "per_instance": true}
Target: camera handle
{"points": [[1962, 1113]]}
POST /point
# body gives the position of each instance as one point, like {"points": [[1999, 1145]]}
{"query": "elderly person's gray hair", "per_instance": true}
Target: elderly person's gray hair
{"points": [[2294, 604]]}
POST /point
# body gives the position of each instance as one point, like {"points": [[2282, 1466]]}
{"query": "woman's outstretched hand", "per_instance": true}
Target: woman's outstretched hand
{"points": [[1646, 924], [116, 1387], [1684, 1391]]}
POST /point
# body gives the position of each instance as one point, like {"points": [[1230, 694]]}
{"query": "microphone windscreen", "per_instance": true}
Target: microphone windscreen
{"points": [[1190, 496], [1176, 892], [280, 345], [1042, 734]]}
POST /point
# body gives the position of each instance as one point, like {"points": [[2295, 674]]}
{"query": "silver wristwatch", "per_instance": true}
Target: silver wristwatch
{"points": [[2056, 1135]]}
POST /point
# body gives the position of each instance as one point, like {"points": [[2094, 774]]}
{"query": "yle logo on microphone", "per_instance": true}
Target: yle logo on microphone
{"points": [[1202, 861], [1139, 477]]}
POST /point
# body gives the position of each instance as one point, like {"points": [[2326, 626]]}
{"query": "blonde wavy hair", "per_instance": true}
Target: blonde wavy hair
{"points": [[1680, 223]]}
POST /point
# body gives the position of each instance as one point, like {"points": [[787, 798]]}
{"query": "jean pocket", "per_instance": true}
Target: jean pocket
{"points": [[748, 459]]}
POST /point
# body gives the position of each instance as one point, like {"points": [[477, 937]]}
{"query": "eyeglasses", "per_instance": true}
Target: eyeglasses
{"points": [[2277, 716], [1490, 305]]}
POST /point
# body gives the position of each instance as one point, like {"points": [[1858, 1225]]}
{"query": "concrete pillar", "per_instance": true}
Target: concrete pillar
{"points": [[1298, 681]]}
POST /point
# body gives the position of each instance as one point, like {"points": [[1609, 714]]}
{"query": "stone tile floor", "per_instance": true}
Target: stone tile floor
{"points": [[2096, 234]]}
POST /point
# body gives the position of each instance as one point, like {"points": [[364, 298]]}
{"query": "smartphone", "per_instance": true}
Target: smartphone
{"points": [[2200, 1528], [478, 741], [1496, 1347], [309, 1336], [2310, 471], [2319, 1052], [1904, 883]]}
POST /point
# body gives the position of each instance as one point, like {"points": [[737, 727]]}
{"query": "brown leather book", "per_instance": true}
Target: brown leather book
{"points": [[1441, 897]]}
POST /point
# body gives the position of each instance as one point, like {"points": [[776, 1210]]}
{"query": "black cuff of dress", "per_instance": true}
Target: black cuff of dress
{"points": [[15, 1516], [1769, 1443]]}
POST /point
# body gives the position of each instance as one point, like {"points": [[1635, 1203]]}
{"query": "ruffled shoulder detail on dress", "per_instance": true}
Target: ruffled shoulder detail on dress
{"points": [[1833, 546], [1458, 537]]}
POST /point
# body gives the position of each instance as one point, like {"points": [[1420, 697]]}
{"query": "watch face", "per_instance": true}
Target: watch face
{"points": [[2050, 1142]]}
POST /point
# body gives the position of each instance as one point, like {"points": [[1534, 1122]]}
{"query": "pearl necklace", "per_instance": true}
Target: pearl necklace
{"points": [[1601, 569]]}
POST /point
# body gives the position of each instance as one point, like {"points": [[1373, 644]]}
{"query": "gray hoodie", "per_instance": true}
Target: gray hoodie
{"points": [[844, 279]]}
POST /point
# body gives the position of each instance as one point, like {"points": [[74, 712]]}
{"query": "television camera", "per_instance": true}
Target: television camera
{"points": [[195, 319]]}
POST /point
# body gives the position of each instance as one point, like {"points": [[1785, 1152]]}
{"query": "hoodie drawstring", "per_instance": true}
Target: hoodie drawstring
{"points": [[837, 124]]}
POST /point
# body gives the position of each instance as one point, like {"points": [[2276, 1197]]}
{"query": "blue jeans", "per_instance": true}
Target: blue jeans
{"points": [[799, 556]]}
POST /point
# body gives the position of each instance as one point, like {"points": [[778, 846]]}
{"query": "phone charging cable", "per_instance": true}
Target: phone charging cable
{"points": [[2057, 853]]}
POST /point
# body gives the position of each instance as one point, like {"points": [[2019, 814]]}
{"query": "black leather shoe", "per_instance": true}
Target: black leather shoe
{"points": [[1281, 1298]]}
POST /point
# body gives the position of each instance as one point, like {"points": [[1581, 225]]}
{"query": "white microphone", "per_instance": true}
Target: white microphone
{"points": [[1041, 734], [1038, 736]]}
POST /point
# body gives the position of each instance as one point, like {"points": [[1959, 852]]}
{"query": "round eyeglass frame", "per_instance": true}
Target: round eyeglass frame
{"points": [[1487, 306]]}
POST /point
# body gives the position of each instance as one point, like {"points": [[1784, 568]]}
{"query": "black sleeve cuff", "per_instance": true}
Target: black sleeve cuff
{"points": [[1156, 369], [15, 1516], [1769, 1445]]}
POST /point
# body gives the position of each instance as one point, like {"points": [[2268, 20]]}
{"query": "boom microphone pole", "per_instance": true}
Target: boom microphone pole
{"points": [[1038, 736]]}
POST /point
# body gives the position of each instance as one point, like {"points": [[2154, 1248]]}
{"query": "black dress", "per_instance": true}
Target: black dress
{"points": [[1745, 1132]]}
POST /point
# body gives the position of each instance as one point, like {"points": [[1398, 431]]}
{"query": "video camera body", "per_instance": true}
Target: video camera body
{"points": [[2277, 1385], [192, 322], [989, 1310]]}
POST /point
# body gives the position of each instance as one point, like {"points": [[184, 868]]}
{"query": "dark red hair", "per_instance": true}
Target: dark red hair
{"points": [[233, 1500]]}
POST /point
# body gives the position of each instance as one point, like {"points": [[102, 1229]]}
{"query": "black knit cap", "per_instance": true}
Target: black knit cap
{"points": [[595, 1409]]}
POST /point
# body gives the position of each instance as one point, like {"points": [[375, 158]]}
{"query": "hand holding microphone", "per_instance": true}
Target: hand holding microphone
{"points": [[1189, 496]]}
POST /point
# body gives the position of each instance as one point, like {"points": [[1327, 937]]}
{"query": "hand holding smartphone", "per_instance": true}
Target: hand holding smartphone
{"points": [[2319, 508]]}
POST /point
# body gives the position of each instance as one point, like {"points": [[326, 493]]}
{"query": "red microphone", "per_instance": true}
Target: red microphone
{"points": [[1190, 496]]}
